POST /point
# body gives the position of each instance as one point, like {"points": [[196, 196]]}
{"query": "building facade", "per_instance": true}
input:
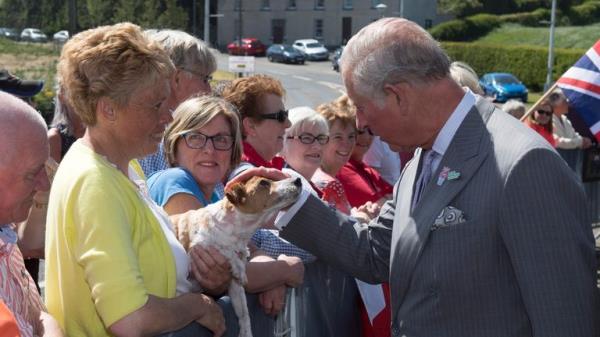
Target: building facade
{"points": [[332, 22]]}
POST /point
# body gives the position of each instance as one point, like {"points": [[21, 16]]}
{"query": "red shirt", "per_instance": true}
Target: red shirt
{"points": [[251, 156], [362, 183], [542, 131]]}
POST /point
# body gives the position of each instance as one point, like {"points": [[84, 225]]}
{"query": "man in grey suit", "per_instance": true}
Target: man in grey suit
{"points": [[488, 233]]}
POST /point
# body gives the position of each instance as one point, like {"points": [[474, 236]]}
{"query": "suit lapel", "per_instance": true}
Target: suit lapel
{"points": [[466, 153]]}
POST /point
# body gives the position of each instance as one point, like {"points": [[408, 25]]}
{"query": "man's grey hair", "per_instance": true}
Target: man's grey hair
{"points": [[186, 51], [391, 51], [17, 120]]}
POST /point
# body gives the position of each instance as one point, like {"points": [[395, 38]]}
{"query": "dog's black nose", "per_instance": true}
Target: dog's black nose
{"points": [[298, 182]]}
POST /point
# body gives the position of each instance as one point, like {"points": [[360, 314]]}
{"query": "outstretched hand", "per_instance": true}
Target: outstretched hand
{"points": [[270, 173]]}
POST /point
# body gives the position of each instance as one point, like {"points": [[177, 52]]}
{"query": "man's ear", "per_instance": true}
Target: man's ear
{"points": [[105, 109], [236, 194], [396, 93]]}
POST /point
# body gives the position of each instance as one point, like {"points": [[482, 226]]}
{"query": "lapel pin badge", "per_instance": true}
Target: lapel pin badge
{"points": [[443, 175], [453, 175]]}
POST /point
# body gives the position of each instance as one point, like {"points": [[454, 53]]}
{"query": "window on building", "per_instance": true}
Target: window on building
{"points": [[428, 23], [266, 5], [291, 4], [319, 4], [347, 4], [318, 28]]}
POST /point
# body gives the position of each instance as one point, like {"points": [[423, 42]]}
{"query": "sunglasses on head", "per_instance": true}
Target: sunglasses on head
{"points": [[281, 116], [544, 112]]}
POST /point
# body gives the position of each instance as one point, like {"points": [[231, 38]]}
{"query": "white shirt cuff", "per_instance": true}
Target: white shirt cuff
{"points": [[284, 217]]}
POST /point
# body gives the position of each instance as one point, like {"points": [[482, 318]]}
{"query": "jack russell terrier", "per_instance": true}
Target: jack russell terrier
{"points": [[229, 224]]}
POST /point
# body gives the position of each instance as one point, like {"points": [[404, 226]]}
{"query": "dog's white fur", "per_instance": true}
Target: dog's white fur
{"points": [[229, 224]]}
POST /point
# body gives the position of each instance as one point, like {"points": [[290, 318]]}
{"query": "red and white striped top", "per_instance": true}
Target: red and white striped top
{"points": [[17, 289]]}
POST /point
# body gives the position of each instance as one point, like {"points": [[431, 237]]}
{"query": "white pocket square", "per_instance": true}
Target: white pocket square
{"points": [[449, 216]]}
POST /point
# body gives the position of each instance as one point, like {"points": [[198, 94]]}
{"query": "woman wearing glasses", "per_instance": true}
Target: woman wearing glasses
{"points": [[342, 137], [202, 144], [302, 151], [540, 120]]}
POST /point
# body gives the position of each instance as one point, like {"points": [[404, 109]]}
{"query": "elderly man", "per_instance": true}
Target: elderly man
{"points": [[194, 63], [23, 151], [487, 233]]}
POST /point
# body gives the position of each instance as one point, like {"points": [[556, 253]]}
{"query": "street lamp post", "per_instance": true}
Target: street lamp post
{"points": [[206, 21], [551, 47], [401, 8], [381, 9]]}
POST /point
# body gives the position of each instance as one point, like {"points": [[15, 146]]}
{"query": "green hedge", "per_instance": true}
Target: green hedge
{"points": [[475, 26], [466, 29], [527, 63], [584, 14], [531, 19]]}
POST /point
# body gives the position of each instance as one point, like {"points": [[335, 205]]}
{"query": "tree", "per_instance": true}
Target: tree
{"points": [[173, 16]]}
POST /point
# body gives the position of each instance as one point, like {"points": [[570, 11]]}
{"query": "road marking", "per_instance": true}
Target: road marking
{"points": [[340, 88], [281, 73], [302, 78]]}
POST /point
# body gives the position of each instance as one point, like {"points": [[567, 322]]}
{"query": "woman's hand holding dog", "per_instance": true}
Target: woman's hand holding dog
{"points": [[211, 269], [212, 317]]}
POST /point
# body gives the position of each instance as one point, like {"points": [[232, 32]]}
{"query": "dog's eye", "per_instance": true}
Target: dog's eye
{"points": [[264, 183]]}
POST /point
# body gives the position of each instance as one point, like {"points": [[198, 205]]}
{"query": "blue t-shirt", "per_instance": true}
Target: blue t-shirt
{"points": [[164, 184]]}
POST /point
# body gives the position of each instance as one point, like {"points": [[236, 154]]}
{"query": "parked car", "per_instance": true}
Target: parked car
{"points": [[335, 60], [312, 48], [61, 36], [285, 53], [10, 33], [503, 86], [33, 35], [249, 46]]}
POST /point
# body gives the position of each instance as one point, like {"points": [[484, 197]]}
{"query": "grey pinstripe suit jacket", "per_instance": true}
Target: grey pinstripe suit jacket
{"points": [[522, 264]]}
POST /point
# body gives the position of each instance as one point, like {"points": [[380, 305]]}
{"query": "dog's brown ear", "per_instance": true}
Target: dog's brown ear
{"points": [[236, 194]]}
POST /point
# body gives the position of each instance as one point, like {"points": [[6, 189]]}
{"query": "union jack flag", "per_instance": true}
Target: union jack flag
{"points": [[581, 85]]}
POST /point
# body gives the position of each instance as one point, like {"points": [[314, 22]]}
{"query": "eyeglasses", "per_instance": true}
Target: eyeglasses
{"points": [[307, 138], [198, 140], [361, 132], [544, 112], [205, 78], [281, 116]]}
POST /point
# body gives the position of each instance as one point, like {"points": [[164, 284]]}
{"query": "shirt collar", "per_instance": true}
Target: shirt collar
{"points": [[443, 139], [7, 234]]}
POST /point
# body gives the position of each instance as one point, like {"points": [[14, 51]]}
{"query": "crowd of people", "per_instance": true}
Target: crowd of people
{"points": [[460, 242]]}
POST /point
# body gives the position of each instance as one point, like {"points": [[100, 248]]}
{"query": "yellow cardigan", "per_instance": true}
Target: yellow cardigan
{"points": [[105, 250]]}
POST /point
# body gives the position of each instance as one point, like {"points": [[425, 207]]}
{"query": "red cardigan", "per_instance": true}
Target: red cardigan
{"points": [[362, 183]]}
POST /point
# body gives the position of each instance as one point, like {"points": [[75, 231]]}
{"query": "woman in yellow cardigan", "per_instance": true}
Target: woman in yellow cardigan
{"points": [[113, 264]]}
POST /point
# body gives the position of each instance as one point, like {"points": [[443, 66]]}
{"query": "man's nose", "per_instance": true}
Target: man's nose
{"points": [[361, 123]]}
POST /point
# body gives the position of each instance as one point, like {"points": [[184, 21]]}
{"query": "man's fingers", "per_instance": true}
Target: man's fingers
{"points": [[270, 173]]}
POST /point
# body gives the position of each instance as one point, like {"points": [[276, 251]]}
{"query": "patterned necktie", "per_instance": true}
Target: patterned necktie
{"points": [[424, 177]]}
